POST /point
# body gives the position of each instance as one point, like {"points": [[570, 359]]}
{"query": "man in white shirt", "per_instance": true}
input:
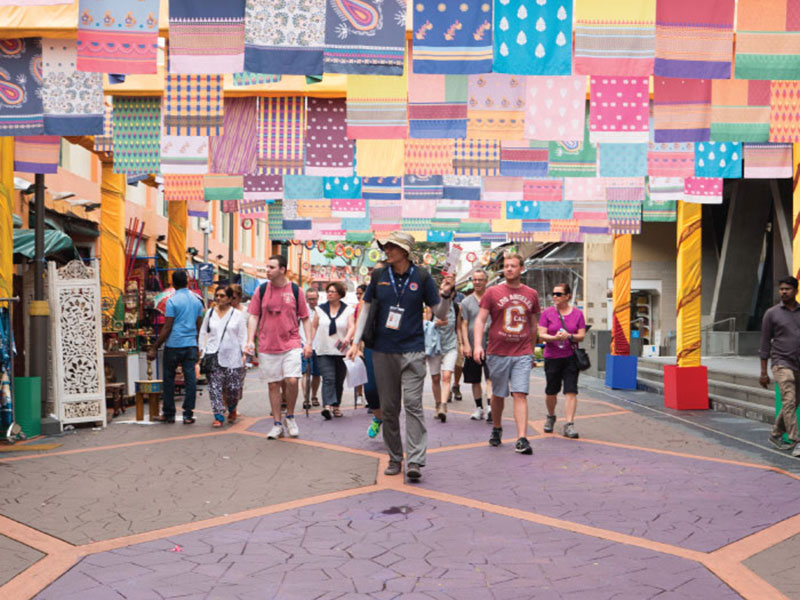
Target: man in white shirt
{"points": [[312, 300]]}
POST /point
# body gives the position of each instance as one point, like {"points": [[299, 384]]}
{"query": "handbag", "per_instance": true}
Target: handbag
{"points": [[581, 357], [209, 361]]}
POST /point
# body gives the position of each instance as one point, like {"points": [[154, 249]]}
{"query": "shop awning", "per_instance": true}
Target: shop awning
{"points": [[54, 242]]}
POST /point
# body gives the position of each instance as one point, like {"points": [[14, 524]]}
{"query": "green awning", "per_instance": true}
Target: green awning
{"points": [[17, 221], [54, 242]]}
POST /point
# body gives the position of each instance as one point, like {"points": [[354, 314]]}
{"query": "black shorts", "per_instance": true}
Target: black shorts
{"points": [[558, 370], [472, 371]]}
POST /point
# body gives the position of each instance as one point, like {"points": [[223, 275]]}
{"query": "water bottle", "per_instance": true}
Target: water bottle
{"points": [[561, 343]]}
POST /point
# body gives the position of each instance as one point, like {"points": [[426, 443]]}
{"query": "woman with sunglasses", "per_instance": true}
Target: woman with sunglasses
{"points": [[561, 327], [223, 337]]}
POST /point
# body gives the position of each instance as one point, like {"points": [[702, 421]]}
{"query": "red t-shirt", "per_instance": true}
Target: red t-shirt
{"points": [[278, 329], [511, 310]]}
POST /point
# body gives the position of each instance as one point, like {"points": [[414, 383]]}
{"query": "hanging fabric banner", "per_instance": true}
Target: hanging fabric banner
{"points": [[137, 135], [105, 141], [533, 39], [184, 155], [476, 157], [178, 217], [575, 158], [796, 213], [543, 190], [246, 78], [72, 99], [740, 110], [235, 151], [621, 290], [380, 158], [281, 135], [784, 111], [661, 201], [206, 36], [416, 187], [454, 37], [223, 187], [767, 161], [718, 159], [496, 107], [6, 217], [622, 160], [376, 107], [328, 151], [624, 197], [694, 39], [702, 190], [342, 187], [555, 108], [21, 110], [767, 40], [184, 188], [524, 158], [429, 157], [681, 110], [365, 37], [37, 153], [616, 37], [619, 109], [437, 106], [689, 271], [670, 160], [263, 187], [193, 105], [284, 37], [118, 37]]}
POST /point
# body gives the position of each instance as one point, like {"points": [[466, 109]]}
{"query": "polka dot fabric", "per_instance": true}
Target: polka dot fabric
{"points": [[328, 151], [718, 159], [619, 109]]}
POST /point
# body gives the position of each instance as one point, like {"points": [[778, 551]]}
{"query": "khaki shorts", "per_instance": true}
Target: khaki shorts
{"points": [[277, 367]]}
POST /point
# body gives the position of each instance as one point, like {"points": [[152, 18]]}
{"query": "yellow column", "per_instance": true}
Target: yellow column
{"points": [[690, 278], [796, 213], [112, 247], [621, 326], [176, 234], [6, 217]]}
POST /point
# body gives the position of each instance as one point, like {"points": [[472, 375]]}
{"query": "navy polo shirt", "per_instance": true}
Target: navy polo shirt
{"points": [[409, 337]]}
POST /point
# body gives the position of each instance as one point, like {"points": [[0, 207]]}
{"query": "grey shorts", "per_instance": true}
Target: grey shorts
{"points": [[509, 374]]}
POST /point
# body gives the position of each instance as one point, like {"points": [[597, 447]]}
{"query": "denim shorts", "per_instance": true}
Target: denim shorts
{"points": [[509, 374]]}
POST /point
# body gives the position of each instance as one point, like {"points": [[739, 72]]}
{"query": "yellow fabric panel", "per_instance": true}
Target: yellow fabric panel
{"points": [[621, 321], [112, 246], [380, 158], [56, 21], [176, 234], [690, 277], [506, 225], [6, 218], [619, 10], [796, 214]]}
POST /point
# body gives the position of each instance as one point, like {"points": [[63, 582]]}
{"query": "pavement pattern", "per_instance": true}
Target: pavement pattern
{"points": [[647, 504]]}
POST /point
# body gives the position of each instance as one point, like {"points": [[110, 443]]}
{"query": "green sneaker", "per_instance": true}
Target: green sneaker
{"points": [[374, 428]]}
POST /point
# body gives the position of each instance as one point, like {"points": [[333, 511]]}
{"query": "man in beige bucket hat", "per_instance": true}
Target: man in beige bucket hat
{"points": [[392, 316]]}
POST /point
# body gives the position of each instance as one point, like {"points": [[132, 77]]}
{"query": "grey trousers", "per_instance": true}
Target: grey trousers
{"points": [[401, 377]]}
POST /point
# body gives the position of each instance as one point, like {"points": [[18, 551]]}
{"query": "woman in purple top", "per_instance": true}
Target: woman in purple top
{"points": [[561, 326]]}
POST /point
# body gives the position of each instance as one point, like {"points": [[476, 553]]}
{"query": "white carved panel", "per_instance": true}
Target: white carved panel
{"points": [[77, 343]]}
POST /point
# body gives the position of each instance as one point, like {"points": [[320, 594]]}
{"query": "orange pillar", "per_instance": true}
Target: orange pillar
{"points": [[176, 234], [621, 325]]}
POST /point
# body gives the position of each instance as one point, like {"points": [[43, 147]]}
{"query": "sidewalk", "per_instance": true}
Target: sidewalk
{"points": [[649, 503]]}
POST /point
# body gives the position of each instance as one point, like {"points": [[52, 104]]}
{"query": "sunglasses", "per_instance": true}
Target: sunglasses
{"points": [[558, 294]]}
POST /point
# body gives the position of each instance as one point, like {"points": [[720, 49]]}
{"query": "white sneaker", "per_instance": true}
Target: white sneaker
{"points": [[291, 427], [275, 432], [477, 415]]}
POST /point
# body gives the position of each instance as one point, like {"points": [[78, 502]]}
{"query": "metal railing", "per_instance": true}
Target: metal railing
{"points": [[731, 321]]}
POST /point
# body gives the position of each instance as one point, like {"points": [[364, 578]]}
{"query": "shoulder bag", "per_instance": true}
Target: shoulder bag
{"points": [[581, 357]]}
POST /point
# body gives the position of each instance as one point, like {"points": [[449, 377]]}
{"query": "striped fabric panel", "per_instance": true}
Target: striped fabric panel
{"points": [[382, 188], [767, 40], [462, 187], [193, 105], [524, 159], [223, 187], [234, 152], [670, 160], [253, 208], [740, 110], [314, 209], [572, 159], [476, 157], [502, 188], [452, 208], [767, 161], [543, 190], [37, 153], [625, 216], [429, 157], [419, 209], [184, 154], [694, 39], [416, 223], [437, 106], [484, 209], [206, 36], [197, 208], [275, 222], [681, 110], [281, 135], [614, 39], [496, 106], [377, 107], [417, 187], [345, 208]]}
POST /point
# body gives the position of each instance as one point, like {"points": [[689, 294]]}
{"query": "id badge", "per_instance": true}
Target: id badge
{"points": [[394, 318]]}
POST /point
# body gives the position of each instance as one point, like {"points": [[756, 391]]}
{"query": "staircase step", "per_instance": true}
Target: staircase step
{"points": [[756, 395], [742, 408]]}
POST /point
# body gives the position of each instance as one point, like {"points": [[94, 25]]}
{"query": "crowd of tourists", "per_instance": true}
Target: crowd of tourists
{"points": [[403, 326]]}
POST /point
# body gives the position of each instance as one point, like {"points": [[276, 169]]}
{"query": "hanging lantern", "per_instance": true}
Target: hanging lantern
{"points": [[363, 270], [330, 247], [320, 246], [357, 251], [338, 250], [427, 258], [309, 245], [374, 255], [247, 223], [472, 257], [349, 252]]}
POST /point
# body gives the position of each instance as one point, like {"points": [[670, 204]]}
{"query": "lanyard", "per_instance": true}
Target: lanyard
{"points": [[402, 291]]}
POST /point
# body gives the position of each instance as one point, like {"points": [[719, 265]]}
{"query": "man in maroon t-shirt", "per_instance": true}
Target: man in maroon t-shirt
{"points": [[514, 309], [276, 319]]}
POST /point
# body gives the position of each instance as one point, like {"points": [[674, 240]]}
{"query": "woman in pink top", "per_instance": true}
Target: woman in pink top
{"points": [[561, 326]]}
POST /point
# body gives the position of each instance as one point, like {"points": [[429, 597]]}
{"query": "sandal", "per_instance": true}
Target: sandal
{"points": [[337, 412], [216, 423], [314, 401]]}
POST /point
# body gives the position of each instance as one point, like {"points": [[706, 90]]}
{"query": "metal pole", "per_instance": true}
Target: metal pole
{"points": [[230, 248], [39, 308]]}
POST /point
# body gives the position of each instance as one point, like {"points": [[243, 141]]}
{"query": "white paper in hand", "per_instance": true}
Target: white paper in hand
{"points": [[356, 372]]}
